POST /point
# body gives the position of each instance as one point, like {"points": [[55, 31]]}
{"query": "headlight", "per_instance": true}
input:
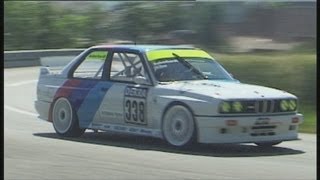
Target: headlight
{"points": [[288, 105], [225, 107], [284, 105], [237, 106], [292, 105]]}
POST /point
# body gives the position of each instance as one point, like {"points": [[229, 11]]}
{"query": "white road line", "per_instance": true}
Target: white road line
{"points": [[21, 83], [20, 111]]}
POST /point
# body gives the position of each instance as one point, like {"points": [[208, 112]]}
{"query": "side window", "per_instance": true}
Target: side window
{"points": [[128, 67], [92, 66]]}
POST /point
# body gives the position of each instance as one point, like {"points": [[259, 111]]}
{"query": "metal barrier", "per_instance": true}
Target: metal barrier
{"points": [[26, 58]]}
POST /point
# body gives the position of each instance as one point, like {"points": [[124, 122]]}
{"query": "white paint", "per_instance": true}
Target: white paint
{"points": [[21, 83], [114, 95], [20, 111], [225, 89]]}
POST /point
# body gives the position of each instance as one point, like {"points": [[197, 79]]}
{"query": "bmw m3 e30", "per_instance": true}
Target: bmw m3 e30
{"points": [[180, 94]]}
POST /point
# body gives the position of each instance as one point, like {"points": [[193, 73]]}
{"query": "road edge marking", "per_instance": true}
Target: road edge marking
{"points": [[20, 111], [21, 83]]}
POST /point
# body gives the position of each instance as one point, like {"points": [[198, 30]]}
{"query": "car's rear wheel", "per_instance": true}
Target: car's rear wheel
{"points": [[65, 121], [178, 126], [268, 144]]}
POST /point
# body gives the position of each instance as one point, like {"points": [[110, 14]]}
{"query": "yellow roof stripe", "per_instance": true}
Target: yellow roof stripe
{"points": [[167, 53], [97, 55]]}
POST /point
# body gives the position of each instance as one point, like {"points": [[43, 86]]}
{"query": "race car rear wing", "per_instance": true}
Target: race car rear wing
{"points": [[46, 70]]}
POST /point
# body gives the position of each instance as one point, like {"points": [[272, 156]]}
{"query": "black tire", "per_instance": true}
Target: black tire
{"points": [[268, 144], [178, 126], [64, 119]]}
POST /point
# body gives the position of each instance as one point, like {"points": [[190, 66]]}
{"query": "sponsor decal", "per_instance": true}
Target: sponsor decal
{"points": [[126, 129], [161, 54], [145, 131], [98, 55], [113, 115], [107, 126], [133, 130], [262, 121], [120, 128], [136, 92]]}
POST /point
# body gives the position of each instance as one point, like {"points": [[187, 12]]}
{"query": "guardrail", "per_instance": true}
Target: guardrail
{"points": [[26, 58]]}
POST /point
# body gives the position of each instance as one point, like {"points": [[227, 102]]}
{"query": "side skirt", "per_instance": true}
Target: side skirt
{"points": [[126, 129]]}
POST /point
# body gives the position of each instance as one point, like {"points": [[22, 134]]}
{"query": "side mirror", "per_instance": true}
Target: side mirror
{"points": [[140, 80]]}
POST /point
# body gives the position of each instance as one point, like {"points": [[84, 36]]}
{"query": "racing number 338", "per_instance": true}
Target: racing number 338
{"points": [[134, 105], [134, 110]]}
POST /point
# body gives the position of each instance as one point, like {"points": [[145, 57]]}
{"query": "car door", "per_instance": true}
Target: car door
{"points": [[86, 86], [126, 102]]}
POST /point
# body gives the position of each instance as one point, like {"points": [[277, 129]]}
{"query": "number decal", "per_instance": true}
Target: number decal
{"points": [[141, 111], [135, 112], [128, 110], [134, 105]]}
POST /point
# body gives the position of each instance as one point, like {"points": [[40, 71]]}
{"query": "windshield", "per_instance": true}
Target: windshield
{"points": [[174, 70]]}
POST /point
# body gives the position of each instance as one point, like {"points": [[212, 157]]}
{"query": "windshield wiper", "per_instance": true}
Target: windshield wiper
{"points": [[189, 66]]}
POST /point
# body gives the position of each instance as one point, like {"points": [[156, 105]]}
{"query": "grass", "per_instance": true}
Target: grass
{"points": [[309, 125], [294, 72]]}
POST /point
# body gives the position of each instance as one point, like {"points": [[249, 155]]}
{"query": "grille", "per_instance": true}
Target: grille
{"points": [[264, 106], [261, 106]]}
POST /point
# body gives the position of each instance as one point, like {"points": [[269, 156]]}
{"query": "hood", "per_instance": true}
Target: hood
{"points": [[227, 89]]}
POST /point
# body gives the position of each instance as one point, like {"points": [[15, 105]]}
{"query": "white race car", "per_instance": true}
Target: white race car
{"points": [[180, 94]]}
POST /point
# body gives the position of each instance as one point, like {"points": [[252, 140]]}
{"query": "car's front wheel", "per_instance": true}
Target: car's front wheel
{"points": [[65, 121], [268, 144], [178, 126]]}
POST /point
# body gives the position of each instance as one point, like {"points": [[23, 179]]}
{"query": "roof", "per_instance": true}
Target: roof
{"points": [[143, 48], [160, 52]]}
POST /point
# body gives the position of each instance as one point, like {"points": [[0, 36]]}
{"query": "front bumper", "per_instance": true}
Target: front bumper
{"points": [[248, 129]]}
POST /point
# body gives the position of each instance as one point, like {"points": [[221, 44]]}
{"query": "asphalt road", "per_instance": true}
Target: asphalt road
{"points": [[33, 151]]}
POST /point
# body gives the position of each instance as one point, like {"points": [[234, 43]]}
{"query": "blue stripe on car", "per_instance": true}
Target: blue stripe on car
{"points": [[91, 103], [80, 92]]}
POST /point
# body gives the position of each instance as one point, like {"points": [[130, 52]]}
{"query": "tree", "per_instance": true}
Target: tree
{"points": [[40, 25], [206, 18]]}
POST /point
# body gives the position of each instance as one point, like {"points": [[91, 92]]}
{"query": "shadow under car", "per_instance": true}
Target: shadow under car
{"points": [[149, 143]]}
